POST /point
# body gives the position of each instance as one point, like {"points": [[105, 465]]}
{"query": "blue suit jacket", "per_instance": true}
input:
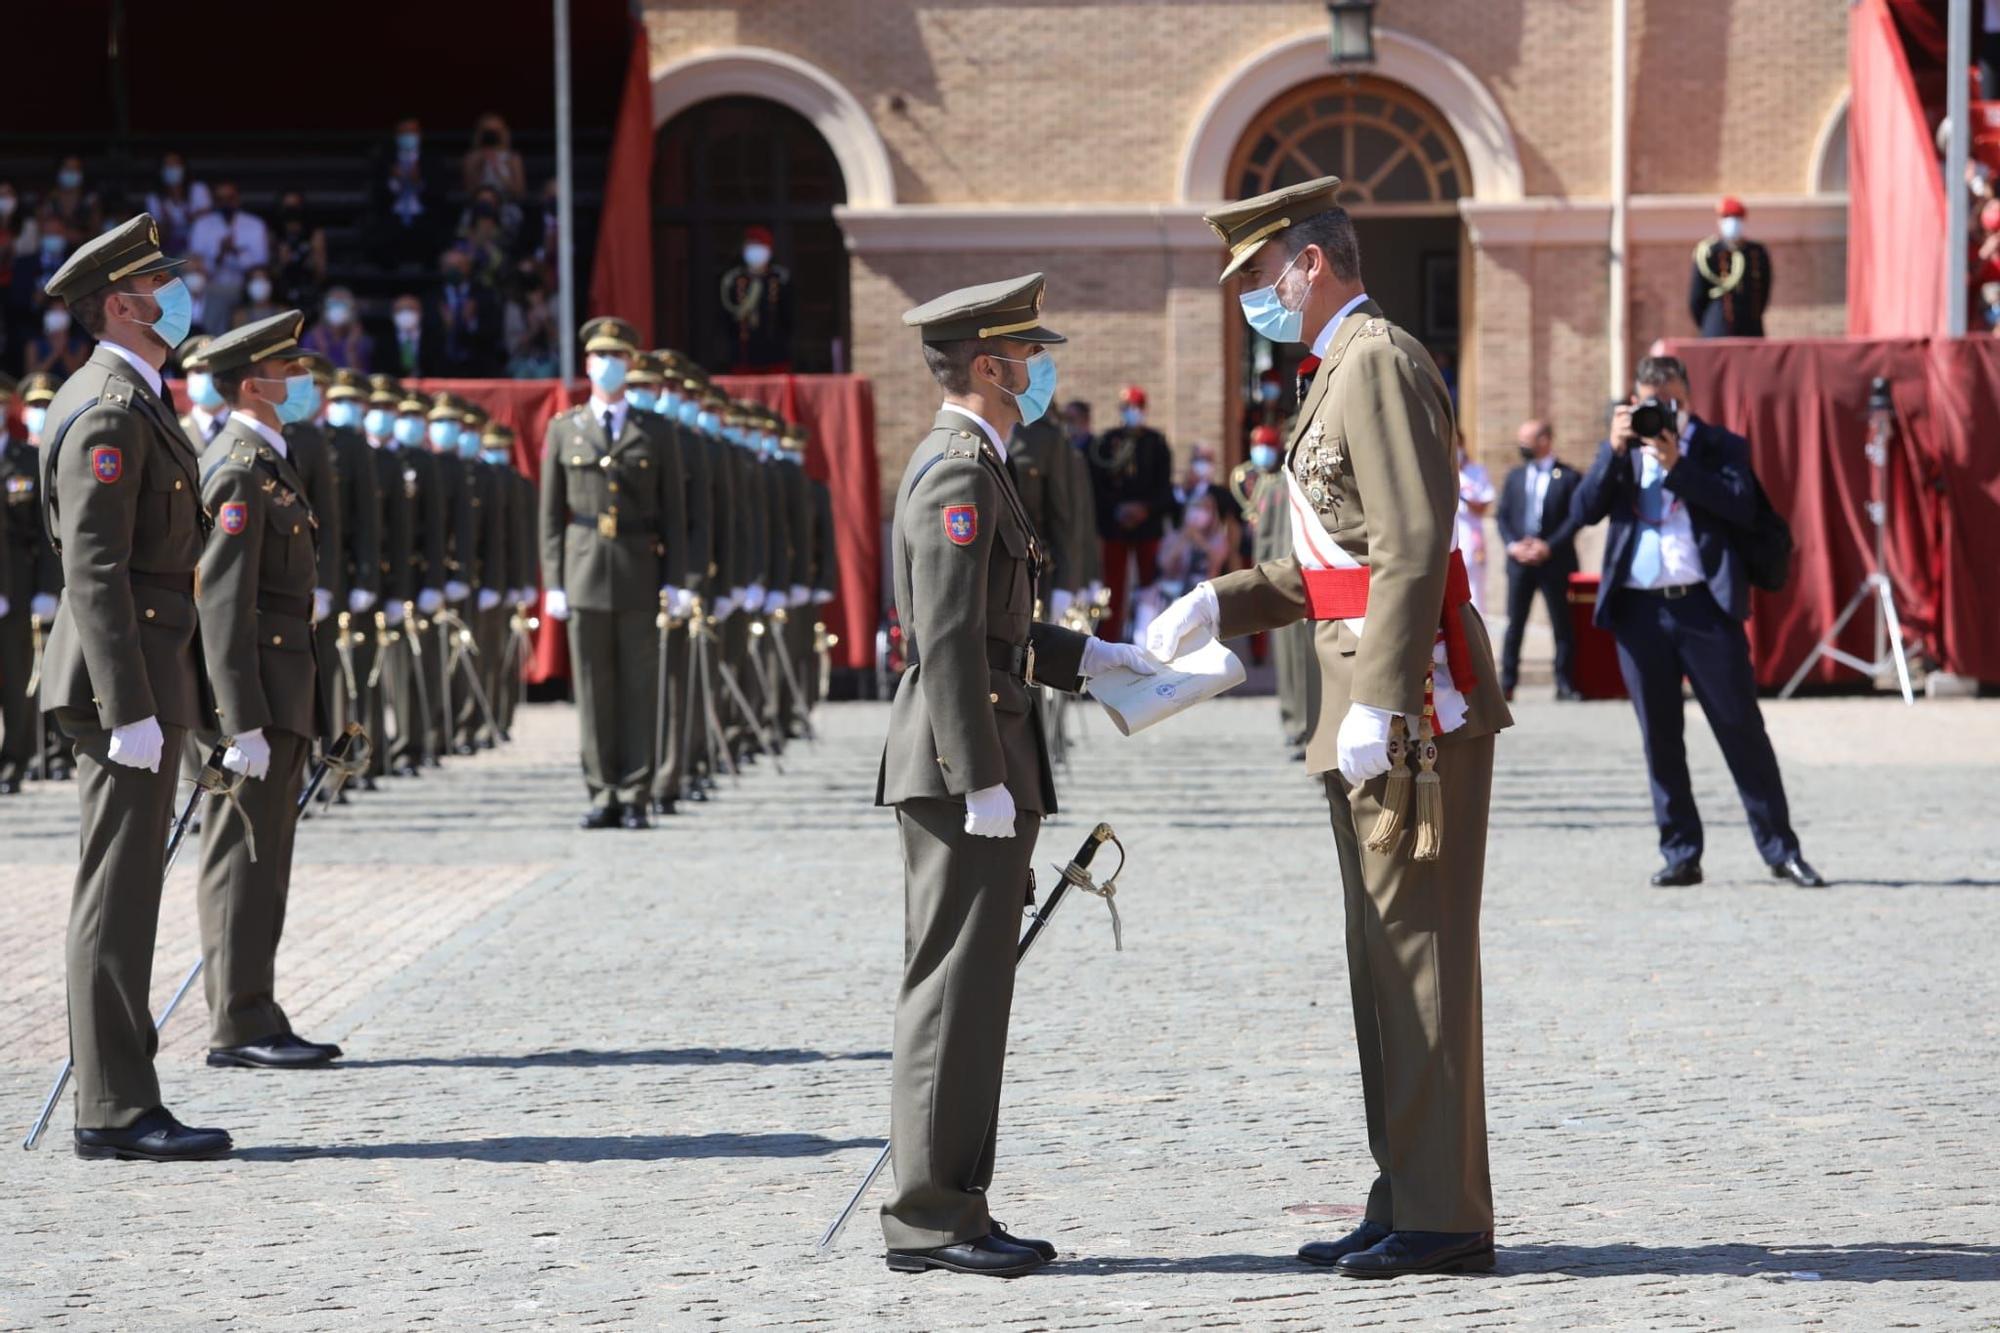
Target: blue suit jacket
{"points": [[1713, 479]]}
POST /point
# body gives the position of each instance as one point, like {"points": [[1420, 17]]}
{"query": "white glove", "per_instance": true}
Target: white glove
{"points": [[1101, 654], [989, 812], [683, 601], [1364, 742], [455, 591], [392, 614], [248, 754], [1059, 605], [429, 600], [1186, 625], [520, 596], [488, 598], [821, 596], [753, 597], [801, 594], [42, 606], [1095, 591], [360, 601], [724, 608], [138, 744], [322, 604], [555, 603]]}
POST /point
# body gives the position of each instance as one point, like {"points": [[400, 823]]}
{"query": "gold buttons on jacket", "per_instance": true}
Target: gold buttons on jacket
{"points": [[277, 640], [993, 698], [150, 613], [177, 483], [295, 529]]}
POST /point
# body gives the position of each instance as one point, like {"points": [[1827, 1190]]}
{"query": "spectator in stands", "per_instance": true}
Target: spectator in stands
{"points": [[531, 336], [1475, 500], [1200, 479], [411, 349], [546, 243], [176, 203], [484, 237], [259, 299], [32, 268], [195, 274], [491, 162], [1199, 549], [1989, 304], [338, 336], [10, 220], [1076, 423], [468, 319], [74, 202], [60, 348], [301, 254], [408, 199], [230, 241]]}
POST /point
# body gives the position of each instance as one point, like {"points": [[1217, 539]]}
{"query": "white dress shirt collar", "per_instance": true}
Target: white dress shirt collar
{"points": [[271, 437], [1325, 338], [599, 406], [999, 445], [146, 372]]}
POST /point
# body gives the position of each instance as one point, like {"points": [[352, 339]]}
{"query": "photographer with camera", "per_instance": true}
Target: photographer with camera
{"points": [[1683, 503]]}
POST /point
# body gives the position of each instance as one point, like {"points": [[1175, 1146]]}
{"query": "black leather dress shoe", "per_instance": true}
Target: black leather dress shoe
{"points": [[1795, 869], [1402, 1253], [1327, 1253], [634, 816], [367, 782], [326, 1049], [1679, 875], [154, 1137], [663, 805], [283, 1051], [406, 771], [10, 787], [1041, 1247], [600, 816], [986, 1256]]}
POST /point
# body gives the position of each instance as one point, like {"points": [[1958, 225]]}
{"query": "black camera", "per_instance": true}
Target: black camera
{"points": [[1654, 417]]}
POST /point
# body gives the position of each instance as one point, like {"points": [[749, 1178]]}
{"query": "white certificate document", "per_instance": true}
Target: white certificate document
{"points": [[1136, 702]]}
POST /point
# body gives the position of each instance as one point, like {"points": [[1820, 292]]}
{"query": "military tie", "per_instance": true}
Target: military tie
{"points": [[610, 432]]}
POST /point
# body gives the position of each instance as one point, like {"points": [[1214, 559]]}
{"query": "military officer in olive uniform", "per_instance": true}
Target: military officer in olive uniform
{"points": [[1409, 708], [967, 768], [312, 458], [394, 559], [121, 496], [30, 579], [1267, 509], [614, 538], [259, 574], [353, 548], [1038, 457], [411, 691], [659, 390], [37, 392], [487, 575]]}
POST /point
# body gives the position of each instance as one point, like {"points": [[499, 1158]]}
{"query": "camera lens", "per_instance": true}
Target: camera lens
{"points": [[1649, 419]]}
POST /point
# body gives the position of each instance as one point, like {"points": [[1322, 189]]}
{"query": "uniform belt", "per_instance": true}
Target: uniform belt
{"points": [[626, 526], [277, 603], [1673, 594], [1001, 655], [181, 583], [1342, 594]]}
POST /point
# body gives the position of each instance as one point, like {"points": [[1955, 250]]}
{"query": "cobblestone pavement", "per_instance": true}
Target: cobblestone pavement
{"points": [[623, 1080]]}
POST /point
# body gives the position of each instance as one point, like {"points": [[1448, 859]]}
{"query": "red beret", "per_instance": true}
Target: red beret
{"points": [[1132, 396], [756, 235], [1730, 207], [1264, 435]]}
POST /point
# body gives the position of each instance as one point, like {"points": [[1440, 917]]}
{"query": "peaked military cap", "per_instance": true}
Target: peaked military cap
{"points": [[410, 403], [445, 407], [190, 353], [498, 436], [347, 384], [273, 337], [1010, 308], [1244, 226], [383, 391], [320, 366], [610, 334], [794, 431], [39, 387], [472, 414], [128, 250], [645, 370]]}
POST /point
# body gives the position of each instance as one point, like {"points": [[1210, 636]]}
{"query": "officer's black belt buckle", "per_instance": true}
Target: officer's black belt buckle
{"points": [[282, 604], [164, 581]]}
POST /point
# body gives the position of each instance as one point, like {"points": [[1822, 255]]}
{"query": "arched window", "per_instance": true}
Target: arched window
{"points": [[1387, 145]]}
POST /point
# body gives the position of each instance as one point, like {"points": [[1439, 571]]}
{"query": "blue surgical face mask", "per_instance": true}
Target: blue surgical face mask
{"points": [[1132, 416], [468, 444], [408, 143], [1034, 400], [643, 399], [1269, 316], [176, 313], [297, 403], [343, 415], [34, 418], [443, 434], [669, 404], [498, 457], [1264, 456], [52, 246], [409, 430], [201, 388], [379, 422], [607, 373], [692, 415]]}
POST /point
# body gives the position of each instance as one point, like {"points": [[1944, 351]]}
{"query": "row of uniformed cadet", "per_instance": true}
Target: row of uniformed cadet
{"points": [[685, 549]]}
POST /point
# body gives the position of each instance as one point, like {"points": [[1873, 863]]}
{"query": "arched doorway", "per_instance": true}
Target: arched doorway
{"points": [[726, 164], [1402, 173]]}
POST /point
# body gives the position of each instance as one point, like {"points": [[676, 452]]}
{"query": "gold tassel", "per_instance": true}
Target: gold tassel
{"points": [[1395, 794], [1430, 796]]}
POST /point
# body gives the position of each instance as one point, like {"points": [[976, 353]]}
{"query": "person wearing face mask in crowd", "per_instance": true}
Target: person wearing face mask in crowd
{"points": [[30, 580], [1200, 480], [1268, 514], [1132, 485], [350, 535], [1411, 707], [259, 581], [121, 489], [614, 548], [467, 319], [1087, 552], [1729, 285], [206, 411], [423, 583], [298, 252], [756, 310], [21, 304], [410, 350], [394, 584], [405, 214], [755, 523], [443, 425], [60, 348], [259, 299], [230, 241], [491, 163], [488, 449], [1200, 547], [78, 206], [177, 201], [338, 335], [11, 237], [482, 562]]}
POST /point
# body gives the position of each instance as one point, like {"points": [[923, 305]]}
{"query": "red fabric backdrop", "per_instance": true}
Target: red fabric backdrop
{"points": [[839, 413], [1803, 405], [622, 283], [1895, 212]]}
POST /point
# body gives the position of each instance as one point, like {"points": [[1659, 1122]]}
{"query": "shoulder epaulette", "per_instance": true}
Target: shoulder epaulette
{"points": [[1374, 328], [117, 391]]}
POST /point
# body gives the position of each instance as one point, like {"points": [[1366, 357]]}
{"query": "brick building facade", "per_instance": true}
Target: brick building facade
{"points": [[1083, 139]]}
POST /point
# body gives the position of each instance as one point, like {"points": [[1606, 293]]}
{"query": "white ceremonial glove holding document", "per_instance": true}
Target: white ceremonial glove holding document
{"points": [[456, 591], [359, 601], [1186, 625], [801, 594], [1136, 699], [429, 600], [989, 812], [1364, 742], [322, 604], [555, 602], [1101, 655], [392, 614], [248, 754], [488, 598], [138, 744]]}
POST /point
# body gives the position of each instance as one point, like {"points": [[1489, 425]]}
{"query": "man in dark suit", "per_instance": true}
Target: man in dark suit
{"points": [[1675, 596], [411, 347], [1536, 524]]}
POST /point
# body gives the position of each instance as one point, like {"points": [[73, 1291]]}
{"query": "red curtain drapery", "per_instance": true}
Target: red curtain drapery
{"points": [[621, 281], [1895, 212], [1803, 406]]}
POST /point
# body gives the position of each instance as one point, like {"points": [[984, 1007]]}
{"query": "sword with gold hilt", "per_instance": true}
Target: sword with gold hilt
{"points": [[783, 649], [1075, 875], [37, 634], [344, 640], [413, 643], [463, 648], [702, 640], [824, 642]]}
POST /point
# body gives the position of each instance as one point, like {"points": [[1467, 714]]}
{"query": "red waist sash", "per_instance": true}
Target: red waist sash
{"points": [[1342, 594]]}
